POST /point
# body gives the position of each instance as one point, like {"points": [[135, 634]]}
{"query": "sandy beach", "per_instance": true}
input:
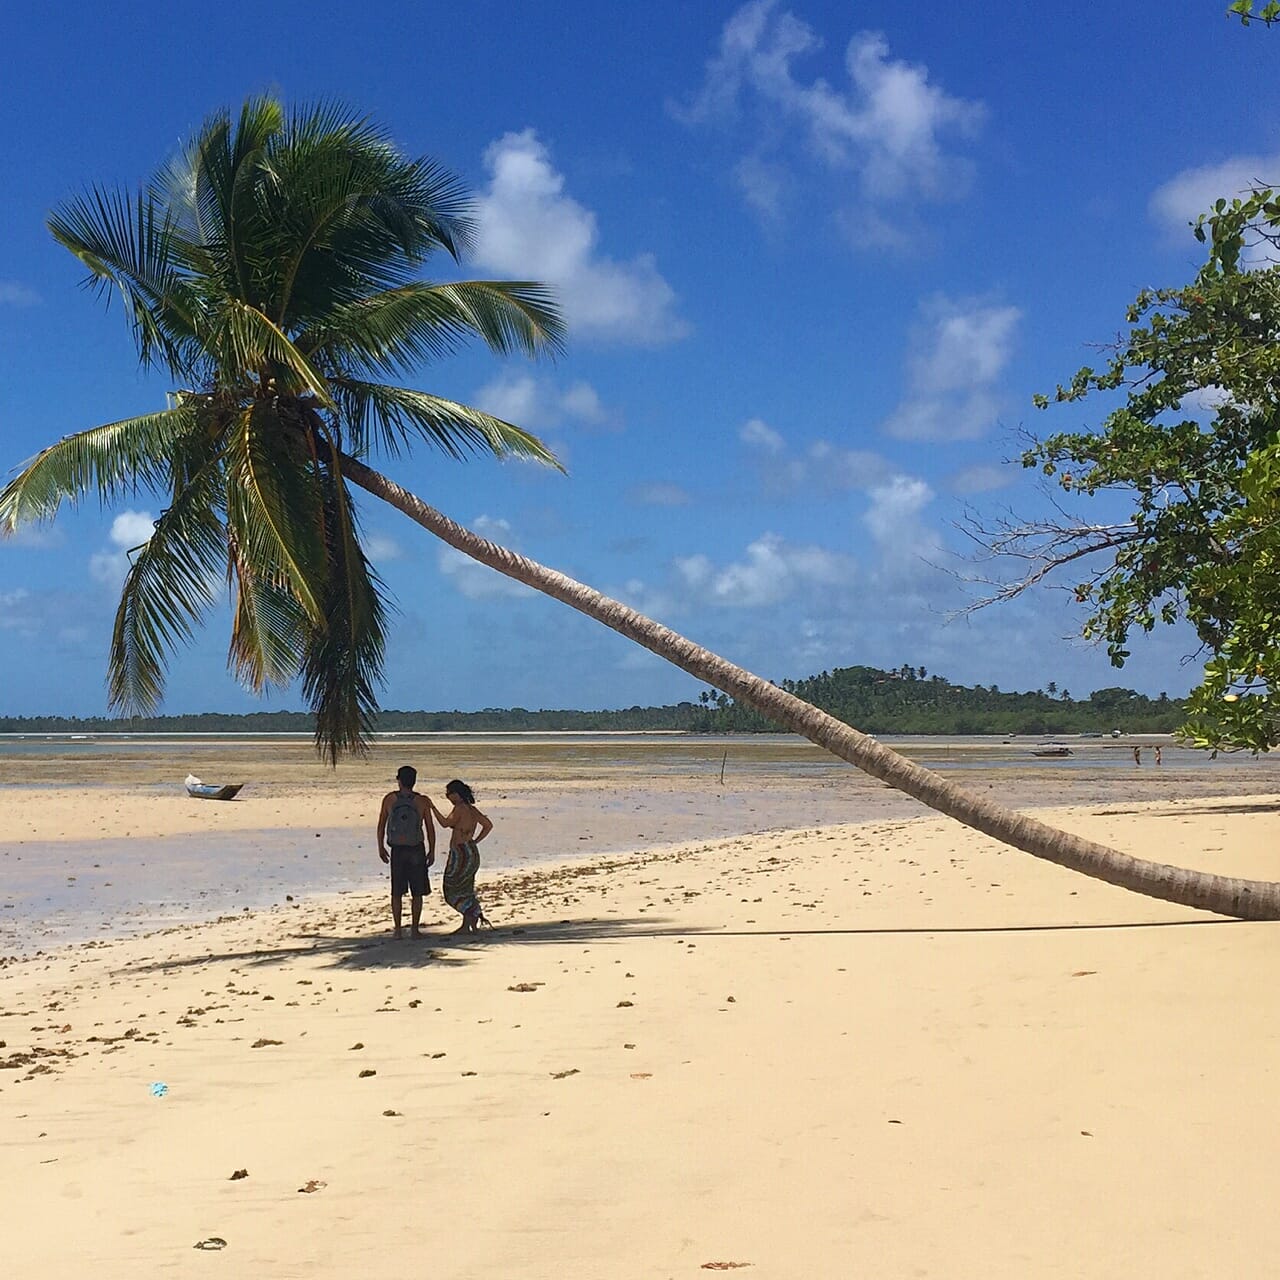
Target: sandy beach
{"points": [[886, 1048]]}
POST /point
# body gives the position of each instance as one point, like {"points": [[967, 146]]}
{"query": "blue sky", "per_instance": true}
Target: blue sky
{"points": [[816, 259]]}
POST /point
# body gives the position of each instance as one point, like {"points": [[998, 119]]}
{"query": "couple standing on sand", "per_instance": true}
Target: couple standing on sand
{"points": [[405, 824]]}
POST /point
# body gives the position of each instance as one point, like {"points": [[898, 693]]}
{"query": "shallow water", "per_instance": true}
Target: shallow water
{"points": [[552, 797]]}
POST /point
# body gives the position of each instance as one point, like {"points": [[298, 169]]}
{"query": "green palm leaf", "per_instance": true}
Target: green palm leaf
{"points": [[111, 461], [275, 508], [273, 266], [127, 244], [400, 328], [342, 663], [251, 349], [392, 418], [170, 584]]}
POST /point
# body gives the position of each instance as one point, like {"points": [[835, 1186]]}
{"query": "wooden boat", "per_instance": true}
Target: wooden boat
{"points": [[1052, 751], [208, 791]]}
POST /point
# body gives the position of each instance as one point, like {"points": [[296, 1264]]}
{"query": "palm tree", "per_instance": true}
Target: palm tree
{"points": [[272, 271]]}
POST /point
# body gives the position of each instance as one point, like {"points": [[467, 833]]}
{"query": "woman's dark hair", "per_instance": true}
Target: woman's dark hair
{"points": [[461, 790]]}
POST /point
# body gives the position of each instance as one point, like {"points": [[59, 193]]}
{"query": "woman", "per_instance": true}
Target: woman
{"points": [[468, 826]]}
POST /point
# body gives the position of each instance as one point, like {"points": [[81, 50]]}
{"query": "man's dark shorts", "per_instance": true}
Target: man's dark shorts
{"points": [[409, 870]]}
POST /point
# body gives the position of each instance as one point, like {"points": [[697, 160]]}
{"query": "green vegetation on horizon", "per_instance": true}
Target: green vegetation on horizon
{"points": [[907, 700]]}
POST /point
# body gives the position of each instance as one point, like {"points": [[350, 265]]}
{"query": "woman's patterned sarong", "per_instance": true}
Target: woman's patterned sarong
{"points": [[460, 881]]}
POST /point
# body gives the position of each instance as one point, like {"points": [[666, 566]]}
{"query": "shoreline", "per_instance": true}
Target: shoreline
{"points": [[91, 856]]}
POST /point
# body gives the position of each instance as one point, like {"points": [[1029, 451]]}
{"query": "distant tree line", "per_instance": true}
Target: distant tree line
{"points": [[908, 700]]}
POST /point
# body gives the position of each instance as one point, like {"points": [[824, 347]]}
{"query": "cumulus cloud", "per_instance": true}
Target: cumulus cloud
{"points": [[958, 354], [129, 530], [13, 294], [888, 128], [820, 467], [537, 403], [771, 571], [660, 495], [477, 581], [1187, 195], [530, 228]]}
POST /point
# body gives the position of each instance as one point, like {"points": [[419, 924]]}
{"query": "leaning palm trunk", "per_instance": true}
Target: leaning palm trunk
{"points": [[1226, 895]]}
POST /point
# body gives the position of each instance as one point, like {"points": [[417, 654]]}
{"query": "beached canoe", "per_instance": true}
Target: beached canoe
{"points": [[208, 791]]}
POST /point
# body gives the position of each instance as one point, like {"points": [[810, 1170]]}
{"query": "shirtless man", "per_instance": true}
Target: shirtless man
{"points": [[404, 816]]}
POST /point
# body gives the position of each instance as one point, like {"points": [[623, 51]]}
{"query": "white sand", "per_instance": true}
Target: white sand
{"points": [[884, 1050]]}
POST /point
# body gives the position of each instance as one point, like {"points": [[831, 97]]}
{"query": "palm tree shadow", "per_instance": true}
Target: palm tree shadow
{"points": [[1239, 807], [360, 952]]}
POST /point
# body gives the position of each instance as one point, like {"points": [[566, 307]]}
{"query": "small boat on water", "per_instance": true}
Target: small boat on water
{"points": [[1052, 751], [208, 791]]}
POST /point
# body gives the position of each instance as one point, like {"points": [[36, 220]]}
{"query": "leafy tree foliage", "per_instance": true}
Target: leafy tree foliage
{"points": [[1267, 13], [885, 701], [1195, 448]]}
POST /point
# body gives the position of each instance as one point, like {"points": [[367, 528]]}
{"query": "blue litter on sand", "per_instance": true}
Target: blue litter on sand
{"points": [[159, 1089]]}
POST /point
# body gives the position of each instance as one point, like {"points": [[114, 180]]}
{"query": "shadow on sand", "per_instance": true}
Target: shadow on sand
{"points": [[444, 949], [1241, 806]]}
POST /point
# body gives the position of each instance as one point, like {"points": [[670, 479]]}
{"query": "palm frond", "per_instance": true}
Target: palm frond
{"points": [[127, 242], [391, 418], [109, 461], [268, 626], [342, 663], [349, 215], [213, 188], [170, 584], [275, 510], [399, 328], [249, 345]]}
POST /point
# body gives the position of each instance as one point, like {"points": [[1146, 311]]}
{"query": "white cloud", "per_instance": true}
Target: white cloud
{"points": [[888, 127], [907, 546], [982, 478], [13, 294], [895, 506], [380, 549], [958, 354], [33, 536], [473, 579], [129, 530], [764, 186], [771, 571], [11, 606], [538, 403], [758, 434], [661, 495], [529, 228], [1206, 400], [821, 467], [1180, 201], [53, 620]]}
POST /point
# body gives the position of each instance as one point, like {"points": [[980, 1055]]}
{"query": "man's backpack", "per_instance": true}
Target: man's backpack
{"points": [[404, 822]]}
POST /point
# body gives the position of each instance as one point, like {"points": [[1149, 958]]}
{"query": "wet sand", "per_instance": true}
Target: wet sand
{"points": [[99, 839]]}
